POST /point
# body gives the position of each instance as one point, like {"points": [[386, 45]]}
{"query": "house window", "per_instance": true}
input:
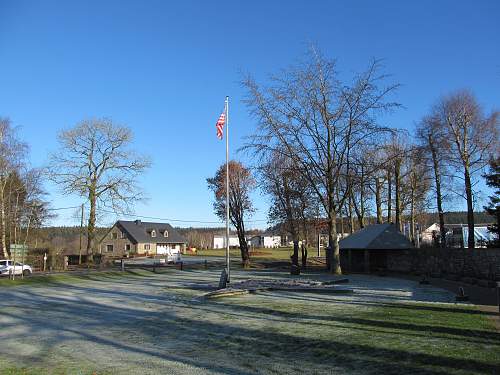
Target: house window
{"points": [[127, 247], [109, 248], [114, 235], [165, 234], [147, 247], [153, 233], [122, 234]]}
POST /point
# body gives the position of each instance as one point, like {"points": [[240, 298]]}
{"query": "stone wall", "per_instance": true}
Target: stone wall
{"points": [[478, 263]]}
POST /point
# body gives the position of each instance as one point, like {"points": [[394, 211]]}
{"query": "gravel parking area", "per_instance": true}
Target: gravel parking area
{"points": [[145, 323]]}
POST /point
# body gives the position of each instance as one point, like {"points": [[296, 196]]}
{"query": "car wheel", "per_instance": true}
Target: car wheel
{"points": [[27, 273]]}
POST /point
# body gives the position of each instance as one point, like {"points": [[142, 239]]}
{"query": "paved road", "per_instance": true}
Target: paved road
{"points": [[188, 259]]}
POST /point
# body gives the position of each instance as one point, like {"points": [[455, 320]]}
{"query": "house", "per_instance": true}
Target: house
{"points": [[368, 249], [456, 235], [141, 238]]}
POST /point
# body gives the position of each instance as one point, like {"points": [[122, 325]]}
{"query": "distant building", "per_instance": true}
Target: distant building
{"points": [[456, 235], [141, 238], [267, 240], [220, 241]]}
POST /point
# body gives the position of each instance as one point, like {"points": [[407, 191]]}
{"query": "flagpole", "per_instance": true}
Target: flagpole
{"points": [[227, 189]]}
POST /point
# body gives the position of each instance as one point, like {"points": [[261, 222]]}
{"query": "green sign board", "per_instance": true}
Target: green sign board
{"points": [[18, 251]]}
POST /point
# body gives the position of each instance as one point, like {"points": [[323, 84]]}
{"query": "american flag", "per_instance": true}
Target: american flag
{"points": [[220, 125]]}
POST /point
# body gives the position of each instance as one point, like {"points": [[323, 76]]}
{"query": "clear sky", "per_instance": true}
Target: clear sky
{"points": [[164, 67]]}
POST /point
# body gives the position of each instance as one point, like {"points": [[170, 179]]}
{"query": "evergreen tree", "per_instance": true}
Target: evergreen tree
{"points": [[493, 208]]}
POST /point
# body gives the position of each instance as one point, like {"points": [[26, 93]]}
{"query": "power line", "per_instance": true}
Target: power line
{"points": [[170, 219], [153, 217], [62, 208]]}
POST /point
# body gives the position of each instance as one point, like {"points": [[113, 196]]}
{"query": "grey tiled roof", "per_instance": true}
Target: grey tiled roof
{"points": [[140, 231], [378, 236]]}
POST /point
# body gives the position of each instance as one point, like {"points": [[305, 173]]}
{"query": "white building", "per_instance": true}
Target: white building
{"points": [[220, 241], [266, 240], [456, 235]]}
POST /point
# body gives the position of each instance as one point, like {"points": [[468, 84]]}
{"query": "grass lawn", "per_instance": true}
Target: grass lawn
{"points": [[70, 278], [144, 323]]}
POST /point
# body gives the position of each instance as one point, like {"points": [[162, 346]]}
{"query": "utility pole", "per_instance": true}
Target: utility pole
{"points": [[81, 230]]}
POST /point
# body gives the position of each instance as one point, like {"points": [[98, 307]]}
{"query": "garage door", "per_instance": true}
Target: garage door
{"points": [[161, 249]]}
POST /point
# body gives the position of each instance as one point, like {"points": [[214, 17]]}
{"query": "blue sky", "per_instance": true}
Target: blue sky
{"points": [[163, 68]]}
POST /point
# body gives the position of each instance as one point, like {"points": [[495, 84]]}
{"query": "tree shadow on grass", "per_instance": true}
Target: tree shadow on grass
{"points": [[86, 320], [459, 332], [403, 304]]}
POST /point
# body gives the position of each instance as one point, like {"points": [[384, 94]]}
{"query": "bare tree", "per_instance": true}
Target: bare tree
{"points": [[95, 162], [316, 121], [290, 198], [436, 145], [417, 183], [241, 183], [395, 150], [474, 138], [12, 154]]}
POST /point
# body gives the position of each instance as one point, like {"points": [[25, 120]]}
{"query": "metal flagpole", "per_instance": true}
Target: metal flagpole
{"points": [[227, 189]]}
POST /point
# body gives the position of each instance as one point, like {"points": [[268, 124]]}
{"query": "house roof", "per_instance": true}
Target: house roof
{"points": [[140, 231], [378, 236]]}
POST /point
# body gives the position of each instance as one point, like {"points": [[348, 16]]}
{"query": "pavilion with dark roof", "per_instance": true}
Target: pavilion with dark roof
{"points": [[367, 250]]}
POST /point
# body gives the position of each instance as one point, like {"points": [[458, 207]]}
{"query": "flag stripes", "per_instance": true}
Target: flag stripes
{"points": [[220, 125]]}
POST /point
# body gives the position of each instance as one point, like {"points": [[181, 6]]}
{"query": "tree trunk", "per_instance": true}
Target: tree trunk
{"points": [[3, 223], [91, 225], [389, 196], [304, 255], [351, 218], [333, 243], [245, 256], [439, 197], [412, 216], [397, 181], [295, 255], [378, 200], [359, 213], [470, 209]]}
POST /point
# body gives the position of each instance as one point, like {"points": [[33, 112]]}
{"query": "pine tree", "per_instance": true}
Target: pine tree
{"points": [[493, 208]]}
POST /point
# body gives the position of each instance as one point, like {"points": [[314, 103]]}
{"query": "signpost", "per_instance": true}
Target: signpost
{"points": [[19, 252]]}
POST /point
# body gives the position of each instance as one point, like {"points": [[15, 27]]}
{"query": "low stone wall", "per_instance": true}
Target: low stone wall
{"points": [[478, 263]]}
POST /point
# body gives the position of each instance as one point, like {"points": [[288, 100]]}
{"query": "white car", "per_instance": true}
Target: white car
{"points": [[7, 267]]}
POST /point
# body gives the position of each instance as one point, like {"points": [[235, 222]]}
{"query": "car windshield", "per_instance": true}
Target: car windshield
{"points": [[3, 263]]}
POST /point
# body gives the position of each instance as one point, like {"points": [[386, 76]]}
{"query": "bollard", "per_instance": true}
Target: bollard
{"points": [[122, 265], [181, 266]]}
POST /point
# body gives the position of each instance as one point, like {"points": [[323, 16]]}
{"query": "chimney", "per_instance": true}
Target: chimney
{"points": [[137, 222]]}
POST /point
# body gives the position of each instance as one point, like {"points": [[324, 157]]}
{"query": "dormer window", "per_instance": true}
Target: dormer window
{"points": [[165, 234], [153, 233]]}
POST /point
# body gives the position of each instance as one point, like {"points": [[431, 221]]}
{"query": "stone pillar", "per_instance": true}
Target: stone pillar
{"points": [[367, 261]]}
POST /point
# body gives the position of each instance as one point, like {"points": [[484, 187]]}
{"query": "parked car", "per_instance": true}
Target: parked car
{"points": [[174, 257], [7, 267]]}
